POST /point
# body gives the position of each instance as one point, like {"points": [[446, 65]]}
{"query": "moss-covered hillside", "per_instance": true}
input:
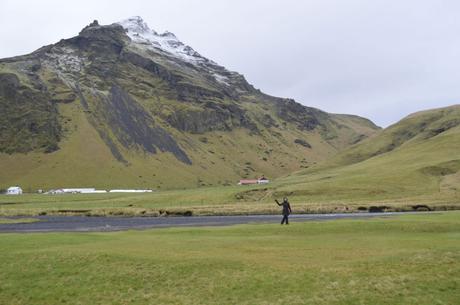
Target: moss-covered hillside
{"points": [[416, 160]]}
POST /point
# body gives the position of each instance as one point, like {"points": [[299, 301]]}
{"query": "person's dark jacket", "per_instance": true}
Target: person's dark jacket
{"points": [[286, 207]]}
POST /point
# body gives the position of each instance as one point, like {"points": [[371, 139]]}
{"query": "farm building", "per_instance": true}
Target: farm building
{"points": [[261, 180], [54, 192], [130, 191], [79, 190], [248, 182], [14, 190], [93, 191], [76, 191]]}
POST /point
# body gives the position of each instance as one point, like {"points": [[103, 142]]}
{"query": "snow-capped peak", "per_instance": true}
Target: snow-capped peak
{"points": [[136, 24], [140, 33]]}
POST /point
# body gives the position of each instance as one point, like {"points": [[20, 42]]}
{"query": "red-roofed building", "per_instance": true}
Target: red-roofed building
{"points": [[248, 182]]}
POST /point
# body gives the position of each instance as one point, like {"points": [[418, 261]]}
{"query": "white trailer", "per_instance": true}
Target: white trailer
{"points": [[14, 190]]}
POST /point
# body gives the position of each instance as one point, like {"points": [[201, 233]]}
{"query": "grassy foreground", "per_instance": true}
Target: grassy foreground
{"points": [[403, 260]]}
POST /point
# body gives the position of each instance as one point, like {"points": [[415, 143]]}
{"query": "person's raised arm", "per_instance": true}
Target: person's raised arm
{"points": [[277, 202]]}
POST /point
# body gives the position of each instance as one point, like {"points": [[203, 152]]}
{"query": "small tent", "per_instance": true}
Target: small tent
{"points": [[14, 190]]}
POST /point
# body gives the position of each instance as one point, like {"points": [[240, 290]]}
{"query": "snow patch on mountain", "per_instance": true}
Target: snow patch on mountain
{"points": [[141, 34]]}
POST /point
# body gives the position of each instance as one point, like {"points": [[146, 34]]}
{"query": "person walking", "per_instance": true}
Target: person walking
{"points": [[286, 210]]}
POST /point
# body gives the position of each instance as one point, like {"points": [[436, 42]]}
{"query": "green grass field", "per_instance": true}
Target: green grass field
{"points": [[307, 195], [17, 220], [402, 260], [216, 201]]}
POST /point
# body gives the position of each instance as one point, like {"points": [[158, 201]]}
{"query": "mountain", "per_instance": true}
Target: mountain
{"points": [[415, 160], [121, 105]]}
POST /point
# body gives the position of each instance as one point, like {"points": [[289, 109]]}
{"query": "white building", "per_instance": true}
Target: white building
{"points": [[93, 191], [79, 191], [263, 180], [76, 191], [55, 192], [130, 191], [14, 190]]}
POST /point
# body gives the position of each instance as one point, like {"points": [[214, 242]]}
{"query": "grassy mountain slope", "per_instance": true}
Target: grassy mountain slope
{"points": [[421, 170], [108, 109], [414, 160]]}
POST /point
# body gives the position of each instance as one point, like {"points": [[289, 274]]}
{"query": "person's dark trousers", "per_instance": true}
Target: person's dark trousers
{"points": [[285, 219]]}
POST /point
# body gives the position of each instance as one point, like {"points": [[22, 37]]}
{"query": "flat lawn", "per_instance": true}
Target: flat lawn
{"points": [[224, 200], [209, 200], [413, 259]]}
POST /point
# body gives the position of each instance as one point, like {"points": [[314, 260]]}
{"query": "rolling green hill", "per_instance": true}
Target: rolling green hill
{"points": [[121, 106], [415, 160]]}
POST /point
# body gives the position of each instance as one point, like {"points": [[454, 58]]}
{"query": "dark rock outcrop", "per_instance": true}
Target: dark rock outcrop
{"points": [[211, 117], [133, 126], [28, 120], [302, 142], [306, 118]]}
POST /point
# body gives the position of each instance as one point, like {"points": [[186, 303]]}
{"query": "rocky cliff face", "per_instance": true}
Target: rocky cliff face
{"points": [[147, 95]]}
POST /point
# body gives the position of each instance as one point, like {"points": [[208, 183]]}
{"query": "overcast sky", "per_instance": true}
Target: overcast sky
{"points": [[381, 59]]}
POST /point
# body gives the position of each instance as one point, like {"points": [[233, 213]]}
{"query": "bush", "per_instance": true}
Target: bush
{"points": [[378, 209], [421, 208]]}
